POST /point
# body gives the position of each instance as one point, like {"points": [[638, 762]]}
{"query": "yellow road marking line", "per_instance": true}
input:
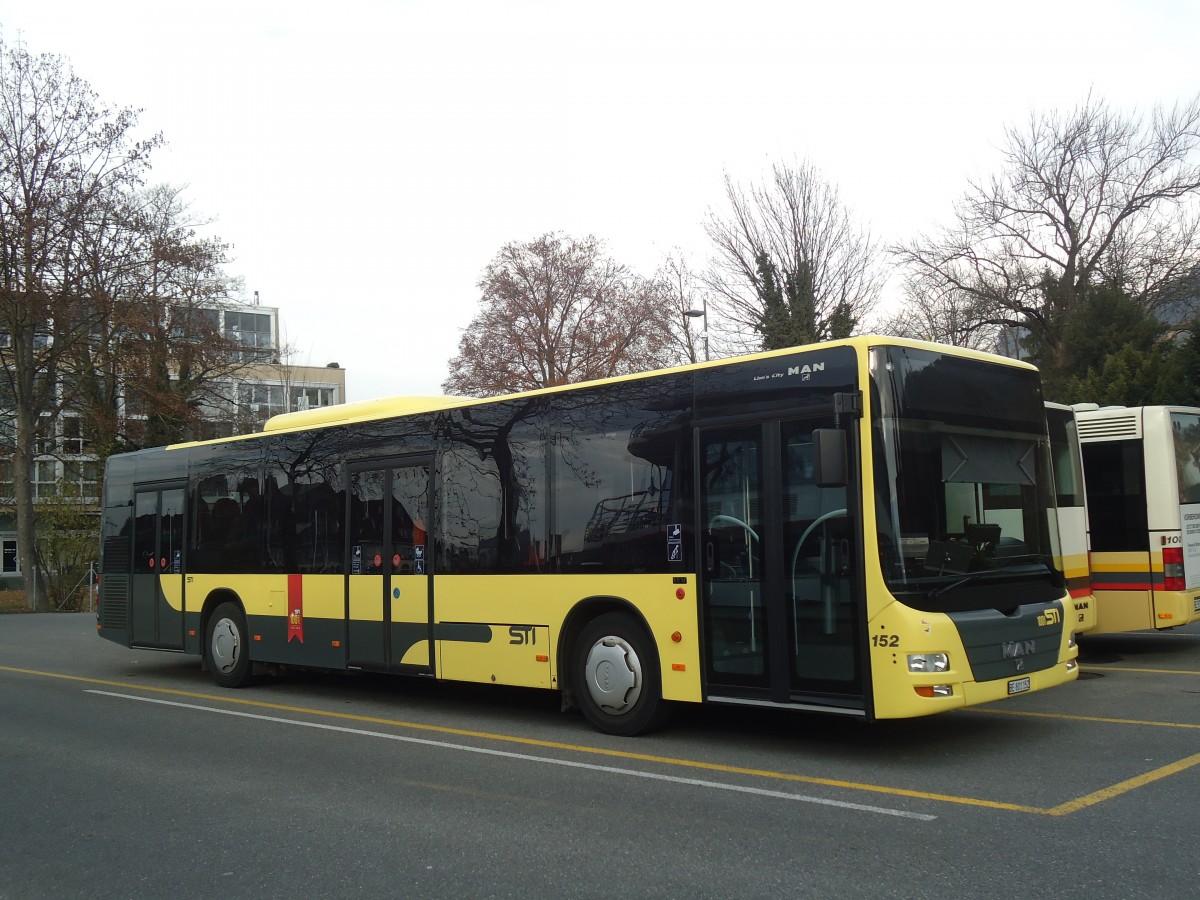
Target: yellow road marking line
{"points": [[1105, 720], [1060, 810], [1072, 806]]}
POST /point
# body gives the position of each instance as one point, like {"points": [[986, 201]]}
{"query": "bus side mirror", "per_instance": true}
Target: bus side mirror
{"points": [[829, 457]]}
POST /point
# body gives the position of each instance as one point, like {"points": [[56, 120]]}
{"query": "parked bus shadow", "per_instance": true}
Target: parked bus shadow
{"points": [[1142, 646], [476, 710]]}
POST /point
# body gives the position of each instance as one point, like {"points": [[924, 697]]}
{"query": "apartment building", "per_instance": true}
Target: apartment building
{"points": [[265, 386]]}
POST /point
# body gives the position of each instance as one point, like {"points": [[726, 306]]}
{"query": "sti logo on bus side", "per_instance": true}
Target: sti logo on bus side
{"points": [[522, 634], [805, 372]]}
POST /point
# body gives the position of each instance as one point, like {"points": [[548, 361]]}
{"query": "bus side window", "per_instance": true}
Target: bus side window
{"points": [[1116, 489]]}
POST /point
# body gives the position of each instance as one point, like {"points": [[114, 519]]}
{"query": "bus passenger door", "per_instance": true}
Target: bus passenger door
{"points": [[820, 573], [388, 592], [157, 591], [777, 562], [732, 560]]}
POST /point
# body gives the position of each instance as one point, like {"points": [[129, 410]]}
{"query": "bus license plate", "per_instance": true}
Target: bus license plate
{"points": [[1018, 686], [1196, 605]]}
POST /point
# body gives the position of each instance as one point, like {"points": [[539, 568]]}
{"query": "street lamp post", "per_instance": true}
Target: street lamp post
{"points": [[701, 313]]}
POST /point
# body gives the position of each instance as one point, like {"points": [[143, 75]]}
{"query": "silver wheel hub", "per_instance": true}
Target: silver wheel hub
{"points": [[613, 674], [226, 647]]}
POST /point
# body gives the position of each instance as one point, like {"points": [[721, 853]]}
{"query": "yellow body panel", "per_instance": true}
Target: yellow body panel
{"points": [[267, 595], [366, 598], [508, 604], [517, 655], [416, 655], [324, 597], [172, 589], [410, 598], [898, 631], [1175, 608], [1126, 599], [1122, 611]]}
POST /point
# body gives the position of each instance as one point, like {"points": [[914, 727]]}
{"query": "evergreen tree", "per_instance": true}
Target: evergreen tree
{"points": [[1103, 323], [789, 308]]}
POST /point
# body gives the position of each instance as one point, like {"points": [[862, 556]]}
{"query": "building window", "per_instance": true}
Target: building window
{"points": [[81, 479], [43, 442], [134, 406], [253, 331], [10, 563], [6, 479], [45, 478], [258, 402], [312, 397], [73, 442]]}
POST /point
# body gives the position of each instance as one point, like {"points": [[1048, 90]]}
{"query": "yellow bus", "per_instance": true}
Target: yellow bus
{"points": [[1071, 513], [1142, 473], [861, 527]]}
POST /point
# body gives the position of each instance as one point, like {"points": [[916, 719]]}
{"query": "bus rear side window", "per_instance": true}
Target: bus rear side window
{"points": [[1116, 492]]}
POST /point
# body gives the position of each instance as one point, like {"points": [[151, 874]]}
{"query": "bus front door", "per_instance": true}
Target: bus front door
{"points": [[157, 591], [777, 561], [388, 580]]}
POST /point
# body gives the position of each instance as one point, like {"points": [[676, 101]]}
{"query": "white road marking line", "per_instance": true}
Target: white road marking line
{"points": [[548, 760]]}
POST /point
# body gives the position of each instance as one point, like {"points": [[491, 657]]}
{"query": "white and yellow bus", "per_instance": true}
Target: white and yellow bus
{"points": [[862, 527], [1142, 473], [1071, 513]]}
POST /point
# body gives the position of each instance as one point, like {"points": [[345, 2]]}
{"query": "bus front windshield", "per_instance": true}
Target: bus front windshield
{"points": [[962, 482]]}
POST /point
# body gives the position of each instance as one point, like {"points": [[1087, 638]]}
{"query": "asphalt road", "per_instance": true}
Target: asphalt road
{"points": [[128, 774]]}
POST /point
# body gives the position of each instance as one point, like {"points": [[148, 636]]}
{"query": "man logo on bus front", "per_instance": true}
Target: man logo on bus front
{"points": [[1014, 649]]}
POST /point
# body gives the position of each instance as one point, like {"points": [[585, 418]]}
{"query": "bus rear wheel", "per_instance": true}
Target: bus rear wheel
{"points": [[616, 672], [227, 647]]}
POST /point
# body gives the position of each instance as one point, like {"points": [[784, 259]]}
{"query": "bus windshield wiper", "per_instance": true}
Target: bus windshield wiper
{"points": [[975, 576], [959, 582]]}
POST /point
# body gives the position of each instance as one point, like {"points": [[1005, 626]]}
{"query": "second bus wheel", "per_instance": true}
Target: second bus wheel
{"points": [[618, 686], [227, 647]]}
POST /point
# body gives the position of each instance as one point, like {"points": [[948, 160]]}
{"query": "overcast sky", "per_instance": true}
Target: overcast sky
{"points": [[368, 159]]}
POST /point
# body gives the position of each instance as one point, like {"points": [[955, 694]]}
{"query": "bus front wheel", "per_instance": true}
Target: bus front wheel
{"points": [[227, 646], [616, 673]]}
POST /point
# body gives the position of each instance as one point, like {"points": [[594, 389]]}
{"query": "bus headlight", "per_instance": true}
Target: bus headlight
{"points": [[928, 662]]}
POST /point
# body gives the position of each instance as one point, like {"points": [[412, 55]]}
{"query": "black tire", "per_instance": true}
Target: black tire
{"points": [[616, 677], [227, 646]]}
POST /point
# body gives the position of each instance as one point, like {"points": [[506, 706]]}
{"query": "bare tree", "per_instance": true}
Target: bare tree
{"points": [[63, 157], [157, 344], [933, 312], [1087, 198], [558, 311], [790, 265], [179, 360], [687, 296]]}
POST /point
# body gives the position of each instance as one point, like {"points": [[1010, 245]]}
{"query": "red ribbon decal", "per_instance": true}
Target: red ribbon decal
{"points": [[295, 608]]}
